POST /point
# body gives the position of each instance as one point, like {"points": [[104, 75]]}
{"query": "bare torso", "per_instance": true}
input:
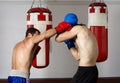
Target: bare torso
{"points": [[23, 52], [87, 47], [23, 55]]}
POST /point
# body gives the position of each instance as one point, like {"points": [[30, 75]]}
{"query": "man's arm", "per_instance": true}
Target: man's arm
{"points": [[74, 52], [37, 49], [61, 27], [67, 35], [71, 46], [47, 34]]}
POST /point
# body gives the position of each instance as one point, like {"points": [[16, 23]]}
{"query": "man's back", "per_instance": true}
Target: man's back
{"points": [[87, 46], [22, 55]]}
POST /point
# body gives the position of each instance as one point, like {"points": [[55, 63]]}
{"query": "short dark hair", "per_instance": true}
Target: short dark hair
{"points": [[82, 24], [32, 31]]}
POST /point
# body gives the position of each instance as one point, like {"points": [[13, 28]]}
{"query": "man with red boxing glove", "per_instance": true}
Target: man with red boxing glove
{"points": [[23, 55], [85, 51]]}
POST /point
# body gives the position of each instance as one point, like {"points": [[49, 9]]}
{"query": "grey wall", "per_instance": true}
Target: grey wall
{"points": [[62, 64]]}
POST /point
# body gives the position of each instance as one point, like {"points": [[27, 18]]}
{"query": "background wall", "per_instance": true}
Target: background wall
{"points": [[62, 64]]}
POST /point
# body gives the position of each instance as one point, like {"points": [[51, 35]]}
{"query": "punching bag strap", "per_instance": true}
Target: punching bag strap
{"points": [[40, 3]]}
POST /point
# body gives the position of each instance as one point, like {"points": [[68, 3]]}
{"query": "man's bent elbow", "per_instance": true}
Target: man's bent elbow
{"points": [[57, 40], [77, 59]]}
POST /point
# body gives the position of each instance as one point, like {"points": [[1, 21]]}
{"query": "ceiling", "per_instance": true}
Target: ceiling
{"points": [[58, 2]]}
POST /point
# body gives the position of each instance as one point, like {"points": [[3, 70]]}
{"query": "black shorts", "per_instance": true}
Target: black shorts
{"points": [[85, 75]]}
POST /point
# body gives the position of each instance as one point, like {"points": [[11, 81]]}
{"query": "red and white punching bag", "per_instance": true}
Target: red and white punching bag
{"points": [[98, 24], [41, 19]]}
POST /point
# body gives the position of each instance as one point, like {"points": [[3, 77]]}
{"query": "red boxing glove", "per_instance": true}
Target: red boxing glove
{"points": [[63, 26], [36, 52]]}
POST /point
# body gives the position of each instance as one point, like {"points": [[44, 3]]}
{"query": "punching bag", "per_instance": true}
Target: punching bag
{"points": [[98, 24], [40, 18]]}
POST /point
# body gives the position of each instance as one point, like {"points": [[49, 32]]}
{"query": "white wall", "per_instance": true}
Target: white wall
{"points": [[62, 64]]}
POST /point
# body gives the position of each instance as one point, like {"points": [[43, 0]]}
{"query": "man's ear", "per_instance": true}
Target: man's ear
{"points": [[29, 35]]}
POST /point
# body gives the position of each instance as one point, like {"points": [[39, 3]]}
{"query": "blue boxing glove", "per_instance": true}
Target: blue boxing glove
{"points": [[69, 43]]}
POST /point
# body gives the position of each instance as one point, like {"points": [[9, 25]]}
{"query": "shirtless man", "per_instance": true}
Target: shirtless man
{"points": [[22, 57], [85, 52]]}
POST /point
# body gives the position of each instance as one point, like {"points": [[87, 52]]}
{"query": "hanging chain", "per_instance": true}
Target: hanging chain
{"points": [[40, 3], [32, 3]]}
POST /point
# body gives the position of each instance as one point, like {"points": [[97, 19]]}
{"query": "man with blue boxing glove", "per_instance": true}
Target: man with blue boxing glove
{"points": [[85, 52]]}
